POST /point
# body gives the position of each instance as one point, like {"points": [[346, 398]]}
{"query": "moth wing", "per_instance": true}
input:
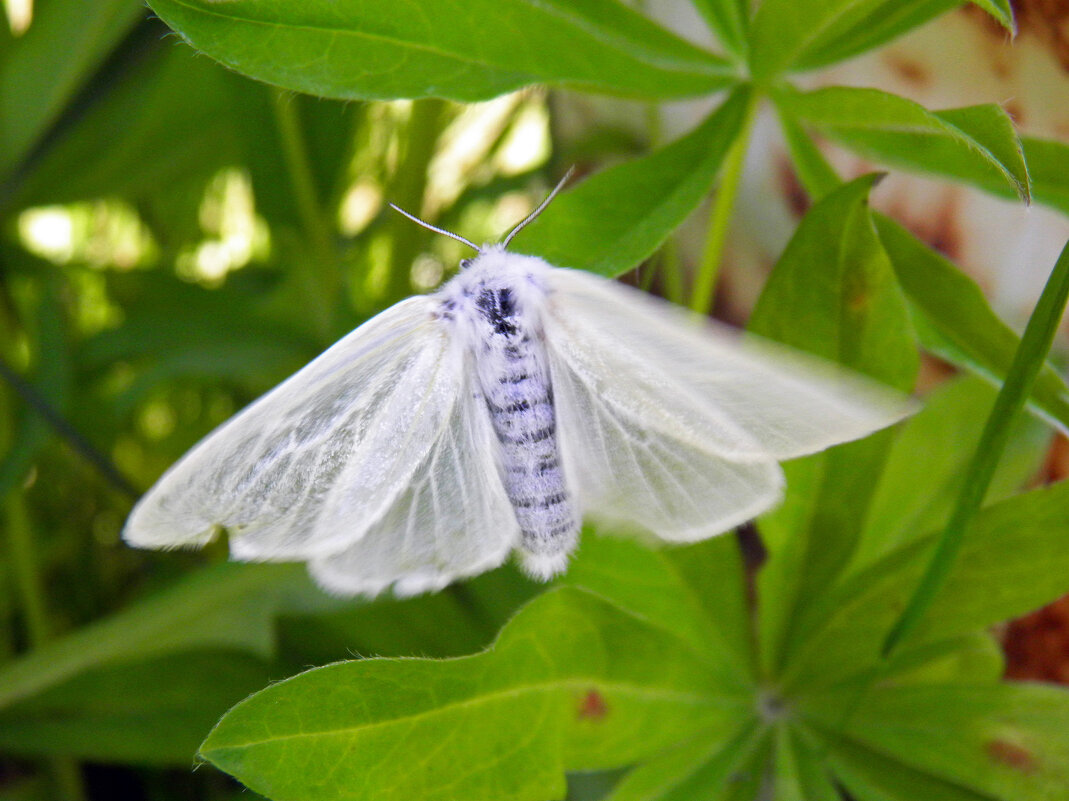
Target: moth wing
{"points": [[451, 520], [364, 410], [785, 403]]}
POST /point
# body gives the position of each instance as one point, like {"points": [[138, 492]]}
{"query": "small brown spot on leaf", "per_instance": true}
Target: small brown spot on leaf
{"points": [[592, 706], [1012, 756]]}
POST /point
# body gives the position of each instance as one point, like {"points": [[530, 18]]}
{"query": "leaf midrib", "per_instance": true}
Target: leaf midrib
{"points": [[576, 683], [423, 46]]}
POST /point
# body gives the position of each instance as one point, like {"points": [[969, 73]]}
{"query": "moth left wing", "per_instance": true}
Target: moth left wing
{"points": [[452, 520], [346, 431]]}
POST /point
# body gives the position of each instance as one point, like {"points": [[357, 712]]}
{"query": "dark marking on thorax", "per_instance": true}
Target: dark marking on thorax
{"points": [[499, 309]]}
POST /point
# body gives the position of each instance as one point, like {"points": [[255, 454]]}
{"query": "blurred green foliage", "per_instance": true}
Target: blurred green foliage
{"points": [[176, 237]]}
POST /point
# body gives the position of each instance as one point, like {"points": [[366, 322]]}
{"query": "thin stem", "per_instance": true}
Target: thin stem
{"points": [[27, 579], [1030, 356], [317, 231], [408, 187], [65, 773], [36, 401], [701, 299], [671, 267]]}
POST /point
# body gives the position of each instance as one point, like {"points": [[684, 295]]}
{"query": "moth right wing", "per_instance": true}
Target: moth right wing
{"points": [[679, 426], [365, 411], [669, 480], [777, 403]]}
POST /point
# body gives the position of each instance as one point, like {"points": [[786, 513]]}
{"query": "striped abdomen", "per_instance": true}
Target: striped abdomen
{"points": [[519, 395]]}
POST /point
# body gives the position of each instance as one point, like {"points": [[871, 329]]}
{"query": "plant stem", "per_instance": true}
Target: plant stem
{"points": [[65, 773], [24, 570], [408, 187], [323, 268], [701, 299], [1030, 356]]}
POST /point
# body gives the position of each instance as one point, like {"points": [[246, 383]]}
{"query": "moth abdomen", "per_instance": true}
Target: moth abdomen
{"points": [[511, 364]]}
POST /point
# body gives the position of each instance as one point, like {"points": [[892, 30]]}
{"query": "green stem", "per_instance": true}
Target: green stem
{"points": [[317, 230], [671, 267], [27, 577], [1030, 357], [701, 299], [408, 188], [65, 773]]}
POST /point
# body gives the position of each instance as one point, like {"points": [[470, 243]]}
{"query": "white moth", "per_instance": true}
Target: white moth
{"points": [[490, 416]]}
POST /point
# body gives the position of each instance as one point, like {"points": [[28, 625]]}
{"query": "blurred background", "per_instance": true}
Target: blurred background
{"points": [[175, 239]]}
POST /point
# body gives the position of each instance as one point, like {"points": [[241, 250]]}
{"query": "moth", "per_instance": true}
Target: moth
{"points": [[492, 416]]}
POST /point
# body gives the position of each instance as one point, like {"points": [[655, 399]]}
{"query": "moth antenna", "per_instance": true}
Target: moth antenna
{"points": [[541, 206], [436, 229]]}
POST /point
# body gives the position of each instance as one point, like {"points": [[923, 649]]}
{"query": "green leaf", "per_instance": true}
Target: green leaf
{"points": [[457, 621], [1011, 569], [153, 711], [698, 769], [593, 688], [695, 593], [42, 70], [363, 49], [956, 322], [1048, 167], [1014, 559], [931, 451], [871, 776], [816, 174], [1007, 741], [1001, 10], [795, 35], [1048, 163], [615, 219], [954, 319], [976, 144], [52, 379], [166, 120], [224, 606], [174, 329], [798, 772], [729, 20], [832, 293], [966, 659], [1029, 359]]}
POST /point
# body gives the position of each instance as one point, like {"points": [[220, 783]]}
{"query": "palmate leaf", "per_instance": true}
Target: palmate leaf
{"points": [[362, 49], [832, 292], [38, 79], [227, 606], [953, 318], [145, 711], [613, 220], [798, 35], [975, 144], [1001, 741], [931, 452], [571, 683], [1015, 558]]}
